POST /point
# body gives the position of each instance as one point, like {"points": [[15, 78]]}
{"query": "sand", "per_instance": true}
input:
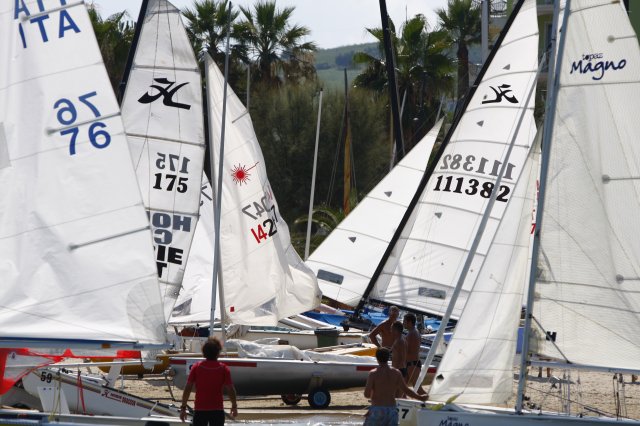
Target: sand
{"points": [[589, 393]]}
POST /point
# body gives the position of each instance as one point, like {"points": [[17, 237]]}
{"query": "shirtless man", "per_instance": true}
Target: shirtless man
{"points": [[384, 329], [413, 350], [399, 349], [383, 385]]}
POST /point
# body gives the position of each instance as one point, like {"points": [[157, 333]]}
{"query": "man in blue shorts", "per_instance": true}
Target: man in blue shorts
{"points": [[383, 385]]}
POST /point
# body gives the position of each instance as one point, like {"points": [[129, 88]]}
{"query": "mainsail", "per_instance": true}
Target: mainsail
{"points": [[76, 258], [427, 254], [345, 261], [162, 112], [264, 279], [589, 258]]}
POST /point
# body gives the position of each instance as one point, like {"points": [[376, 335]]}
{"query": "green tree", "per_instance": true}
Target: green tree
{"points": [[461, 20], [424, 73], [114, 36], [206, 25], [275, 46]]}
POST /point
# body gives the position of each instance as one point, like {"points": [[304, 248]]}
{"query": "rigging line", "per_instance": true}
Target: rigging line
{"points": [[164, 139]]}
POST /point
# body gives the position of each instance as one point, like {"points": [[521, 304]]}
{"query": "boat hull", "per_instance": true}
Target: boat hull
{"points": [[416, 413], [254, 376], [95, 398]]}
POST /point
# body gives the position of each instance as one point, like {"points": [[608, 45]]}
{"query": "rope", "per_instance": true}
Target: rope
{"points": [[80, 393]]}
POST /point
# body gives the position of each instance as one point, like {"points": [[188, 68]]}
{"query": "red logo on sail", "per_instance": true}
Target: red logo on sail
{"points": [[240, 174]]}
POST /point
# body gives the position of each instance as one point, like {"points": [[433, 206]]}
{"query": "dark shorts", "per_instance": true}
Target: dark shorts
{"points": [[208, 418], [417, 363], [403, 371]]}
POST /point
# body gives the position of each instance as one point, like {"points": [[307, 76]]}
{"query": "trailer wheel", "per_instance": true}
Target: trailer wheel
{"points": [[319, 398], [291, 398]]}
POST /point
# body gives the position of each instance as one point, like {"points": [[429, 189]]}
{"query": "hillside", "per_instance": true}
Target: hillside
{"points": [[330, 63]]}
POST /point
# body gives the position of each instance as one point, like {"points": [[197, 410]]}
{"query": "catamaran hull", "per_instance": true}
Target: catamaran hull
{"points": [[415, 413]]}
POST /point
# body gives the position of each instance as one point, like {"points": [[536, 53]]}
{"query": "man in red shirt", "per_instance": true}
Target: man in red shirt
{"points": [[210, 377]]}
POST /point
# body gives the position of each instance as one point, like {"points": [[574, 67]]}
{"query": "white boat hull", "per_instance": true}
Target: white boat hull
{"points": [[95, 398], [416, 413], [255, 376]]}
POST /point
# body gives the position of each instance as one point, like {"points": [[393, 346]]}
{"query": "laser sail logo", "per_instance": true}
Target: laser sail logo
{"points": [[166, 92], [596, 65]]}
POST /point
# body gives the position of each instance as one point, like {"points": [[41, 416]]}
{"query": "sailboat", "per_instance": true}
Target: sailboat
{"points": [[426, 255], [585, 254], [343, 261], [162, 113], [77, 259]]}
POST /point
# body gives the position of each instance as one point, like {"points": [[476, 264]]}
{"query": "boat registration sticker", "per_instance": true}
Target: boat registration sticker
{"points": [[4, 149]]}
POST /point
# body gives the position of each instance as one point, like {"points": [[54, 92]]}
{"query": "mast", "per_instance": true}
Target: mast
{"points": [[313, 180], [391, 75], [433, 164], [132, 49], [218, 206], [555, 65]]}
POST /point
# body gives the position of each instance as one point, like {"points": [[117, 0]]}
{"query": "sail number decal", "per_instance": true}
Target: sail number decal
{"points": [[482, 166], [267, 228], [472, 186], [172, 163], [67, 114]]}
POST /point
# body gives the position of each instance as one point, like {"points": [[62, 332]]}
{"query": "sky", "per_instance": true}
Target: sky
{"points": [[332, 23]]}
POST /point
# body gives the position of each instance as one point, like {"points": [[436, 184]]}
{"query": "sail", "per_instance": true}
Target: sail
{"points": [[478, 364], [589, 258], [426, 260], [264, 279], [345, 261], [162, 113], [76, 258], [194, 302]]}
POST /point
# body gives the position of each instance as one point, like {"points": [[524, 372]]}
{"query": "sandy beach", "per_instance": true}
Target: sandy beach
{"points": [[590, 393]]}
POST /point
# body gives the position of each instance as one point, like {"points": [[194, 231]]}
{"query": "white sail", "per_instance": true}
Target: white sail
{"points": [[346, 260], [76, 258], [162, 112], [478, 364], [589, 258], [428, 257], [194, 302], [264, 279]]}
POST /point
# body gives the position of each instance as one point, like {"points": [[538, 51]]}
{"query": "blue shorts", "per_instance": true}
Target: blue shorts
{"points": [[381, 416]]}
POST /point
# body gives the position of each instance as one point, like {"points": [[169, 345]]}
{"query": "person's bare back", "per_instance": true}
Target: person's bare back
{"points": [[385, 383]]}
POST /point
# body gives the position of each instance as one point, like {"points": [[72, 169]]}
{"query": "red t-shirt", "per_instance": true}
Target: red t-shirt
{"points": [[209, 378]]}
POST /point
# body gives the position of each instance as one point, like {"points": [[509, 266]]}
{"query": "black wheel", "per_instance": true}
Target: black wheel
{"points": [[319, 398], [291, 398]]}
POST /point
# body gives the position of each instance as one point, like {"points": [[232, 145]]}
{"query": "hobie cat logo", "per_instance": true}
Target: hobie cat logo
{"points": [[597, 65]]}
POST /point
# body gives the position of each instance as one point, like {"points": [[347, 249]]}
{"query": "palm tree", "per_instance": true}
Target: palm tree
{"points": [[276, 46], [114, 36], [424, 72], [461, 20], [207, 29]]}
